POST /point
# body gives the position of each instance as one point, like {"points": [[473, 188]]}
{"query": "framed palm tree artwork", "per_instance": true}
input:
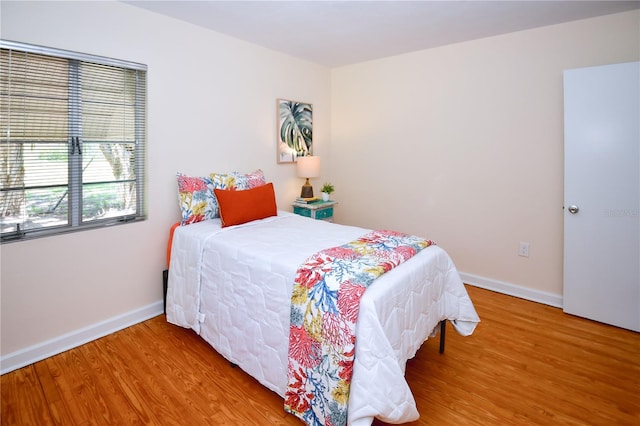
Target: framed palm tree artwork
{"points": [[295, 130]]}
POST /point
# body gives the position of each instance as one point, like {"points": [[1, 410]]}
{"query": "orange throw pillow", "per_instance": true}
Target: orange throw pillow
{"points": [[237, 207]]}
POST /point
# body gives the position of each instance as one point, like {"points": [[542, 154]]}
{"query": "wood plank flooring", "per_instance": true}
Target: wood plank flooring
{"points": [[526, 364]]}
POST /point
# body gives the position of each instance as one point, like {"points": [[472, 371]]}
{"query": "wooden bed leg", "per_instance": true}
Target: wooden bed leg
{"points": [[443, 328]]}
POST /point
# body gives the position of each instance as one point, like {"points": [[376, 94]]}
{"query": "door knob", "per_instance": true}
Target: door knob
{"points": [[573, 209]]}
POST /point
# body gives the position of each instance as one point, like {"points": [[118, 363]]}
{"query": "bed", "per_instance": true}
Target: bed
{"points": [[232, 285]]}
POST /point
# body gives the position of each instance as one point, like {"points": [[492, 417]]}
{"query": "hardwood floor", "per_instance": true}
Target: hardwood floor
{"points": [[526, 364]]}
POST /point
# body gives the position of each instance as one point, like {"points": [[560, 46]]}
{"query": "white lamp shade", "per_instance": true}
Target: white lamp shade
{"points": [[308, 167]]}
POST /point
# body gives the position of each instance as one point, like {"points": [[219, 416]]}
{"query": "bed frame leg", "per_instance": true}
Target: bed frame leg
{"points": [[165, 284], [443, 328]]}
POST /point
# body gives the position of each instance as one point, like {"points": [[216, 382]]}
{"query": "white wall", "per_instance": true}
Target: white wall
{"points": [[463, 144], [211, 107]]}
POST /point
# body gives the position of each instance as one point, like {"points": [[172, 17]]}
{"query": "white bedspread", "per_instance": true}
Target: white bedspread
{"points": [[233, 287]]}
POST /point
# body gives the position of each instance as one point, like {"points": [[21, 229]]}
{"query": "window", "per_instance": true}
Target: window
{"points": [[72, 142]]}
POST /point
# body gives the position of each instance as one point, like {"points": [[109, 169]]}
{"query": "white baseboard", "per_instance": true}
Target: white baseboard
{"points": [[31, 354], [526, 293]]}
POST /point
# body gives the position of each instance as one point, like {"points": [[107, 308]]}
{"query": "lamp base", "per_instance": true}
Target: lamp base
{"points": [[307, 190]]}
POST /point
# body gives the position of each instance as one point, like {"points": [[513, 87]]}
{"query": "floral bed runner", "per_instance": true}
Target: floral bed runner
{"points": [[324, 309]]}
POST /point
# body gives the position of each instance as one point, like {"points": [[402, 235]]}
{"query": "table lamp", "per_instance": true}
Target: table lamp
{"points": [[308, 167]]}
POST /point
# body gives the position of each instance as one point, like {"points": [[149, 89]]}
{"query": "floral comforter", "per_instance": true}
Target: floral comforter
{"points": [[324, 310]]}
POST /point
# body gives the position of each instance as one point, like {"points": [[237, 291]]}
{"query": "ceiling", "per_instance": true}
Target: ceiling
{"points": [[337, 33]]}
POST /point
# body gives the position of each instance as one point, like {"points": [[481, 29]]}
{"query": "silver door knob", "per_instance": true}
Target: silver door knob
{"points": [[573, 209]]}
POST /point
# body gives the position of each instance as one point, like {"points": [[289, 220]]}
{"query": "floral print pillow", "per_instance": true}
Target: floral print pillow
{"points": [[196, 199], [255, 179], [239, 181]]}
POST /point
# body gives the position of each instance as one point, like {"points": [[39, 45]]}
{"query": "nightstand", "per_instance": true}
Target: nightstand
{"points": [[321, 210]]}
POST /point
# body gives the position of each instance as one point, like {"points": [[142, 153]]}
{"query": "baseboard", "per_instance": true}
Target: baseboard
{"points": [[526, 293], [31, 354]]}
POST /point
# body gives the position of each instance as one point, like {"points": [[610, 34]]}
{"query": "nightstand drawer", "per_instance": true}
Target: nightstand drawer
{"points": [[302, 211], [324, 213], [321, 210]]}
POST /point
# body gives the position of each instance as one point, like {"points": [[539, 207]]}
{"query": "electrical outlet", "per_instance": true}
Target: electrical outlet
{"points": [[524, 249]]}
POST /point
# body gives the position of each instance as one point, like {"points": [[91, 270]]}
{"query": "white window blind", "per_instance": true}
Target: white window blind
{"points": [[72, 141]]}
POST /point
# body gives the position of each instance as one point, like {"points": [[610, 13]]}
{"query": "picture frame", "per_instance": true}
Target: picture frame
{"points": [[295, 130]]}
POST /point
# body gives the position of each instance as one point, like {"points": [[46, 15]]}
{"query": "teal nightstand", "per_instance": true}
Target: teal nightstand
{"points": [[322, 210]]}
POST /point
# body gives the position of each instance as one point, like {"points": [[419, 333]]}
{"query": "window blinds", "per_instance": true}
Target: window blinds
{"points": [[72, 140]]}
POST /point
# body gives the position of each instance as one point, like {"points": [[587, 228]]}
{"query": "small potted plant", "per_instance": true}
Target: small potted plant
{"points": [[326, 190]]}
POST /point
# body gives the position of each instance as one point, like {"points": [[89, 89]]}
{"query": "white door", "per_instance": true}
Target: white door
{"points": [[602, 194]]}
